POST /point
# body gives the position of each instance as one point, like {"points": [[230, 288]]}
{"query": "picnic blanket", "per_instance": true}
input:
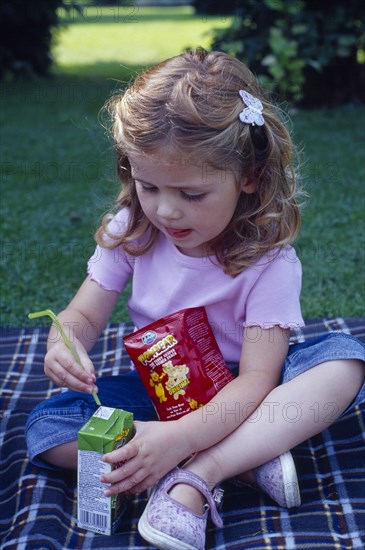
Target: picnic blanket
{"points": [[38, 508]]}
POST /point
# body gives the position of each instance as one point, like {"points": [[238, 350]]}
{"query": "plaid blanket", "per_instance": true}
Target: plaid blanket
{"points": [[38, 508]]}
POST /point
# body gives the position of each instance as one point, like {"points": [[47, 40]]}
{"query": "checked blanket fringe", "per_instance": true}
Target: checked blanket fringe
{"points": [[38, 507]]}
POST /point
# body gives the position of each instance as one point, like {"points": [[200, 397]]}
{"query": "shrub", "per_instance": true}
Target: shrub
{"points": [[215, 7], [26, 32], [303, 50]]}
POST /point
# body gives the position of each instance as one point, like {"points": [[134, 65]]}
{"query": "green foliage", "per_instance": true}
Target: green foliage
{"points": [[300, 50], [26, 34], [215, 7]]}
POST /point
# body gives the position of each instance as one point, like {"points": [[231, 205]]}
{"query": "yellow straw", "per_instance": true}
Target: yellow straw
{"points": [[49, 313]]}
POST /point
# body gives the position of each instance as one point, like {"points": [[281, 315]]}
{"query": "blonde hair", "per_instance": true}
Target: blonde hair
{"points": [[191, 104]]}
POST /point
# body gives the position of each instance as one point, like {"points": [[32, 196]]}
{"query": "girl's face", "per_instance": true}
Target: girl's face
{"points": [[190, 203]]}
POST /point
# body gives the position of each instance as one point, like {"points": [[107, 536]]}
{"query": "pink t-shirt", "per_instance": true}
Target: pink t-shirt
{"points": [[165, 280]]}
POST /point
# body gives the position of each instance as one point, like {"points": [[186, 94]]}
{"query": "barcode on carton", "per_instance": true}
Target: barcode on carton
{"points": [[99, 522]]}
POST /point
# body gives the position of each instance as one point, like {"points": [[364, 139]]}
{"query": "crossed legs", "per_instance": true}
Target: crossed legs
{"points": [[290, 414]]}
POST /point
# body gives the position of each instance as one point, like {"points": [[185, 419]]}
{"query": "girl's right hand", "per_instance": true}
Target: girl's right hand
{"points": [[64, 371]]}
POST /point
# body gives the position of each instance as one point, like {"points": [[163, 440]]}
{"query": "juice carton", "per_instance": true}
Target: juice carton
{"points": [[106, 430]]}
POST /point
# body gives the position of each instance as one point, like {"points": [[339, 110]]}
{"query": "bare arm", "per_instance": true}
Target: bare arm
{"points": [[83, 320], [262, 357]]}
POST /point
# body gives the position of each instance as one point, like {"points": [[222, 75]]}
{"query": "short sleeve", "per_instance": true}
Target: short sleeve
{"points": [[274, 299], [111, 268]]}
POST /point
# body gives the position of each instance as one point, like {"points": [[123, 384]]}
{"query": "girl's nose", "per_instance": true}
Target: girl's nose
{"points": [[167, 209]]}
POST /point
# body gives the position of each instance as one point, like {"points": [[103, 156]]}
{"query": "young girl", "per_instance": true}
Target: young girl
{"points": [[205, 217]]}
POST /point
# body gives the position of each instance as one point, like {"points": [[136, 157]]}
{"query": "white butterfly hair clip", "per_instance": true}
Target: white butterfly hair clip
{"points": [[252, 114]]}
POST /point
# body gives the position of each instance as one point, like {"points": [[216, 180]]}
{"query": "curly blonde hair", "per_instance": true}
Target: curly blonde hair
{"points": [[191, 104]]}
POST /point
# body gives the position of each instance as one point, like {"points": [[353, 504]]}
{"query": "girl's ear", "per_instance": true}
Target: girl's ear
{"points": [[248, 186]]}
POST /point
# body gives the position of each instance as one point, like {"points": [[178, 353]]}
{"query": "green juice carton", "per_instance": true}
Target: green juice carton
{"points": [[106, 430]]}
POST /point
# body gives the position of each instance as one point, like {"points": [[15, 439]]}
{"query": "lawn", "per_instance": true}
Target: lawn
{"points": [[121, 37], [58, 167]]}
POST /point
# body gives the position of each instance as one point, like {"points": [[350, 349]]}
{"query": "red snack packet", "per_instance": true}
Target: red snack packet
{"points": [[179, 362]]}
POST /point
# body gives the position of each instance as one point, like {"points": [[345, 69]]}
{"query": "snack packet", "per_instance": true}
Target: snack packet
{"points": [[179, 362]]}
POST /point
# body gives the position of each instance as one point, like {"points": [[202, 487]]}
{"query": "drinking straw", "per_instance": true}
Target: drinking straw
{"points": [[49, 313]]}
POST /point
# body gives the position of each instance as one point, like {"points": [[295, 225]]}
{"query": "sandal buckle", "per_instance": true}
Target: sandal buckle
{"points": [[218, 497]]}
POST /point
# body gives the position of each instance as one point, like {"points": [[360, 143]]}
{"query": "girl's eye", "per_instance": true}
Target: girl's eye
{"points": [[148, 188], [186, 196], [193, 197]]}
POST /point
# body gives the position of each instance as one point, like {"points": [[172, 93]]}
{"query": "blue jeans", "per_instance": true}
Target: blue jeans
{"points": [[58, 419]]}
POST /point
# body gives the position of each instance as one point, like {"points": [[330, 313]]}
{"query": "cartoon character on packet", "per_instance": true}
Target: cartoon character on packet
{"points": [[155, 381], [177, 374]]}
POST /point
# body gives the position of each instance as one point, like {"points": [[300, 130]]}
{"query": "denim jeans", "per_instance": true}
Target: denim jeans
{"points": [[58, 419]]}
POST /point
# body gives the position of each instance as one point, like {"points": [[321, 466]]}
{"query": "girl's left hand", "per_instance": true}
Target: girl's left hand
{"points": [[156, 448]]}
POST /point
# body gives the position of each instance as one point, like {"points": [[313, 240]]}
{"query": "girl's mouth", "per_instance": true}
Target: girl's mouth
{"points": [[177, 233]]}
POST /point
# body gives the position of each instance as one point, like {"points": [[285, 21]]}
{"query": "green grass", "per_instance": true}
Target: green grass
{"points": [[331, 244], [58, 173], [117, 36]]}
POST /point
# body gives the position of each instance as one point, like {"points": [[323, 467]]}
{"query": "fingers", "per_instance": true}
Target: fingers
{"points": [[142, 461], [121, 459], [66, 378], [130, 473], [63, 370], [134, 485], [144, 485], [86, 363], [130, 477]]}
